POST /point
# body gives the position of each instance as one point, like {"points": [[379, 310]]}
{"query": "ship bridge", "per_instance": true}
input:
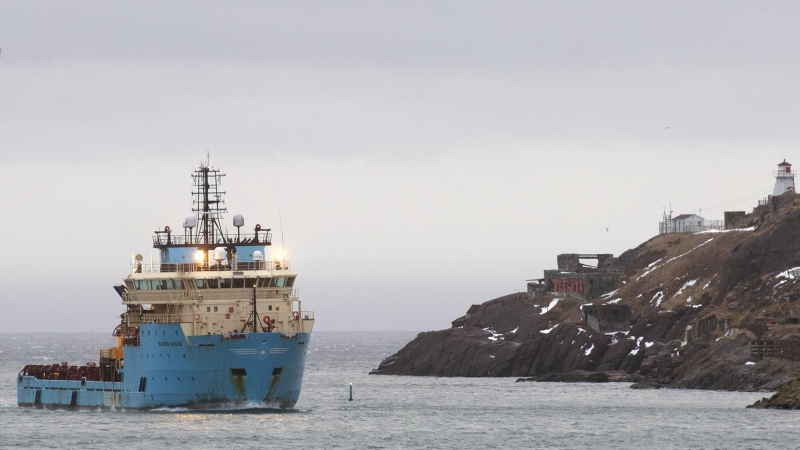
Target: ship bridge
{"points": [[210, 280]]}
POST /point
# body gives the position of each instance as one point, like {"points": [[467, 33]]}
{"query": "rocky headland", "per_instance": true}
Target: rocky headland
{"points": [[709, 310], [787, 397]]}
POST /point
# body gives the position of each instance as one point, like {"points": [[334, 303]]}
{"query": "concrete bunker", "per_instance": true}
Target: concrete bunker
{"points": [[577, 278]]}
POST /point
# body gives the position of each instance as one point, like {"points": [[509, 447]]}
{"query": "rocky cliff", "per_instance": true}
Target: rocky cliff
{"points": [[698, 301]]}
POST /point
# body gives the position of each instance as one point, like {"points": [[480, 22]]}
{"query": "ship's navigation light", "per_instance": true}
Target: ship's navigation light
{"points": [[279, 256], [199, 256]]}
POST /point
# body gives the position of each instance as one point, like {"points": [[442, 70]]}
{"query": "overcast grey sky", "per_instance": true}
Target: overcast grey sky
{"points": [[425, 155]]}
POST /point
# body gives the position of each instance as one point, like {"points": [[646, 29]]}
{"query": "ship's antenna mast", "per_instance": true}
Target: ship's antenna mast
{"points": [[280, 220], [209, 210], [254, 321]]}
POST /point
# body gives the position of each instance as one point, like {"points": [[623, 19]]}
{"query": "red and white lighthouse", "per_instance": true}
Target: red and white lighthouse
{"points": [[784, 179]]}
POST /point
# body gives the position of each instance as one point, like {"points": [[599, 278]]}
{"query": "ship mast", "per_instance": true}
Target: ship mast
{"points": [[207, 206]]}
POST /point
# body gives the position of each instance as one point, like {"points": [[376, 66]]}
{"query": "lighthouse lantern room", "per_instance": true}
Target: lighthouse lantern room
{"points": [[784, 179]]}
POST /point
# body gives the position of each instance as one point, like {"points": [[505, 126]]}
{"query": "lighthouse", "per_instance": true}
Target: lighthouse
{"points": [[784, 179]]}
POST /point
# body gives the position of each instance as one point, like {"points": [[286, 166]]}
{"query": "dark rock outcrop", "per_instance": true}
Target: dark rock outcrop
{"points": [[772, 250], [787, 397], [582, 376]]}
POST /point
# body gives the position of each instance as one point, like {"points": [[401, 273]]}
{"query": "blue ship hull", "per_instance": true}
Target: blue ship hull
{"points": [[169, 369]]}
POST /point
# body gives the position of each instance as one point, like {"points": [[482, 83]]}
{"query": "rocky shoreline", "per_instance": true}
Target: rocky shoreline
{"points": [[787, 397], [582, 376], [706, 311]]}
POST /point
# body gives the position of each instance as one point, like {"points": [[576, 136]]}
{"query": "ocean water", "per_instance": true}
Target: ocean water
{"points": [[394, 412]]}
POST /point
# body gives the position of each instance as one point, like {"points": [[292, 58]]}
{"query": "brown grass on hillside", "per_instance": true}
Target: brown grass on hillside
{"points": [[682, 264]]}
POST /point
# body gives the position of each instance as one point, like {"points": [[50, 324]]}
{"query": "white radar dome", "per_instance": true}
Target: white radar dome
{"points": [[258, 256], [190, 222], [238, 220], [220, 254]]}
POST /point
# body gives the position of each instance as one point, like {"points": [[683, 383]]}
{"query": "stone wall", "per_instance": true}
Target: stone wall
{"points": [[735, 219]]}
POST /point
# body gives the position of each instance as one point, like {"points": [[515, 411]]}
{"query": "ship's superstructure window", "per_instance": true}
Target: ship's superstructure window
{"points": [[280, 282], [154, 285], [242, 282]]}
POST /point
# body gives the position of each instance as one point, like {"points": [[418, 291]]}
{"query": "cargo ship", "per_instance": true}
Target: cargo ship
{"points": [[213, 322]]}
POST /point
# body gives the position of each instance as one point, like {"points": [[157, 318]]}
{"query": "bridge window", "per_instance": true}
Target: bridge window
{"points": [[165, 284], [277, 282], [238, 282], [177, 284], [263, 282], [201, 283], [225, 283], [249, 282], [281, 282]]}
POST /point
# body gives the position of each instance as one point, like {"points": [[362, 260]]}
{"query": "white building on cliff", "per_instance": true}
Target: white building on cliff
{"points": [[687, 223]]}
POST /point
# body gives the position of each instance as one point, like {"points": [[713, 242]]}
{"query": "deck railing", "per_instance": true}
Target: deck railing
{"points": [[306, 315], [145, 317], [262, 237], [180, 296], [160, 318], [208, 267]]}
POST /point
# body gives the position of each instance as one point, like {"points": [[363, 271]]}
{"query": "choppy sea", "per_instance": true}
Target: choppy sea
{"points": [[394, 412]]}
